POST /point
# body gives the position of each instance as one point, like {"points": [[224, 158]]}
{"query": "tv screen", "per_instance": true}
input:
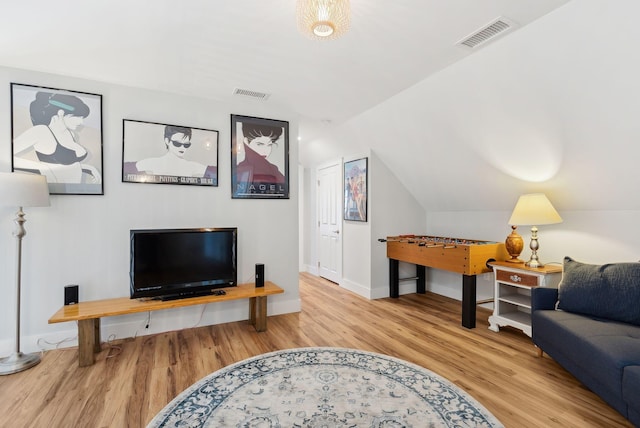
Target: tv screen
{"points": [[177, 263]]}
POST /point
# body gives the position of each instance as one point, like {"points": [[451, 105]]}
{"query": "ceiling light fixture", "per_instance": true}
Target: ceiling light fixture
{"points": [[323, 19]]}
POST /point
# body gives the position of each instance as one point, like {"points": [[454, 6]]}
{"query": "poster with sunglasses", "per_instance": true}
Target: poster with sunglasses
{"points": [[259, 158], [159, 153], [58, 133]]}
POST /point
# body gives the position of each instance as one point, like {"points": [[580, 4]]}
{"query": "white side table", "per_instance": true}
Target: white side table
{"points": [[512, 293]]}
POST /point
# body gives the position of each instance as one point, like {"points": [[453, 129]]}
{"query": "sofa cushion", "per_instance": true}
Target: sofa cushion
{"points": [[610, 291], [603, 347], [631, 387]]}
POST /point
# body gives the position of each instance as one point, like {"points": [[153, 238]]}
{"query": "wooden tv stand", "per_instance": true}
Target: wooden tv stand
{"points": [[88, 314]]}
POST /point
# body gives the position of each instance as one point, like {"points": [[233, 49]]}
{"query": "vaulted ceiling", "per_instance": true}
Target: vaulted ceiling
{"points": [[209, 48], [550, 108]]}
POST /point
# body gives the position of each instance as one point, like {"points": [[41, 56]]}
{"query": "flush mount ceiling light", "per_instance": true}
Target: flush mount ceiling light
{"points": [[323, 19]]}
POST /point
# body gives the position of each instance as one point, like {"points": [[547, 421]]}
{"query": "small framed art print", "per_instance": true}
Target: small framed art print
{"points": [[355, 190]]}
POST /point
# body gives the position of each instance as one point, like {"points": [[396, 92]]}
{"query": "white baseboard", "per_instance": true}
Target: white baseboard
{"points": [[376, 293], [313, 270], [356, 288]]}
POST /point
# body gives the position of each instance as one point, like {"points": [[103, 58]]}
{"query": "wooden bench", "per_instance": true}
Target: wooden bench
{"points": [[88, 314]]}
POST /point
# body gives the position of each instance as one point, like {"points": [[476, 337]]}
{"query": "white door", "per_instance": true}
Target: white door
{"points": [[330, 221]]}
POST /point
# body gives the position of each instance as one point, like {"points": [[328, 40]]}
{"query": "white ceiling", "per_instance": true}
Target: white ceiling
{"points": [[207, 48]]}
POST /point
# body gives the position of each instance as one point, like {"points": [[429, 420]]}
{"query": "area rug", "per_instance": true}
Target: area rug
{"points": [[324, 387]]}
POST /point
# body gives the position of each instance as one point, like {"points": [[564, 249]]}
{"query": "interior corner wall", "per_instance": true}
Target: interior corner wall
{"points": [[84, 239], [356, 244], [394, 211], [301, 217], [309, 222]]}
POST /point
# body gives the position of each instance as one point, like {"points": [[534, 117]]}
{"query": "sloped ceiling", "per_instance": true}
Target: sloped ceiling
{"points": [[207, 48], [552, 108]]}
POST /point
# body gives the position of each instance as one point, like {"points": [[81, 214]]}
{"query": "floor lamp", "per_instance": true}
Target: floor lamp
{"points": [[21, 190]]}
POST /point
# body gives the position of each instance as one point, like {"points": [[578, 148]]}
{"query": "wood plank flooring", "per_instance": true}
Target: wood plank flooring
{"points": [[128, 385]]}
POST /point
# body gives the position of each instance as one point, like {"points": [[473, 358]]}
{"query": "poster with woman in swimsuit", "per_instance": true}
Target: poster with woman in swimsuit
{"points": [[58, 133]]}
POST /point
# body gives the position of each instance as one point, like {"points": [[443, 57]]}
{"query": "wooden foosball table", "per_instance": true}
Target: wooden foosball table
{"points": [[464, 256]]}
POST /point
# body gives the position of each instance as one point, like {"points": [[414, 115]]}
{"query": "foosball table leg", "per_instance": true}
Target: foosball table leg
{"points": [[469, 301], [421, 281], [394, 279]]}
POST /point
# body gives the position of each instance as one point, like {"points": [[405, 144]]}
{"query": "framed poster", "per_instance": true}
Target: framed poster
{"points": [[355, 190], [58, 133], [158, 153], [259, 158]]}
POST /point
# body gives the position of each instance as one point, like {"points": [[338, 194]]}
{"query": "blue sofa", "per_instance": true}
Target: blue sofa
{"points": [[590, 325]]}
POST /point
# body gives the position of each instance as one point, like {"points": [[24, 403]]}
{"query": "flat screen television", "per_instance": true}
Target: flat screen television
{"points": [[180, 263]]}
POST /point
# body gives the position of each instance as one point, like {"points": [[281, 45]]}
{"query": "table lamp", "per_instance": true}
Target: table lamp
{"points": [[21, 190], [532, 209]]}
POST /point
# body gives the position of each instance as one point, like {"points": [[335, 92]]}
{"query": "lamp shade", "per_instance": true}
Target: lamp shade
{"points": [[323, 19], [534, 209], [23, 190]]}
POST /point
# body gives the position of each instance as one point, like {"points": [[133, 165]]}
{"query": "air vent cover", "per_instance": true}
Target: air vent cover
{"points": [[253, 94], [490, 31]]}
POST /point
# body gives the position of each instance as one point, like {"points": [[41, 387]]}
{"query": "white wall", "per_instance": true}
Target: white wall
{"points": [[550, 108], [394, 211], [301, 216], [85, 239], [356, 242], [309, 221], [391, 211]]}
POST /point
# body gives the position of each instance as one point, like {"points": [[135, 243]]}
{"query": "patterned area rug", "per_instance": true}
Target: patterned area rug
{"points": [[324, 387]]}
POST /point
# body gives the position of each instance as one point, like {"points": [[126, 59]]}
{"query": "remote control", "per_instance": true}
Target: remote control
{"points": [[219, 292]]}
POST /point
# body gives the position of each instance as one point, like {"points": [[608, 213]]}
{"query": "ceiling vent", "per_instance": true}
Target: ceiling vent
{"points": [[252, 94], [489, 32]]}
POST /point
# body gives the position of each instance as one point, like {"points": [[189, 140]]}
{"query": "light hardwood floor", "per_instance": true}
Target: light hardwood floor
{"points": [[500, 370]]}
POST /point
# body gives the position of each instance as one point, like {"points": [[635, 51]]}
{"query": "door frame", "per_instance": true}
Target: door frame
{"points": [[338, 203]]}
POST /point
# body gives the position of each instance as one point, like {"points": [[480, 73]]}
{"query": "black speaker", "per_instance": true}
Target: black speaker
{"points": [[70, 295], [259, 275]]}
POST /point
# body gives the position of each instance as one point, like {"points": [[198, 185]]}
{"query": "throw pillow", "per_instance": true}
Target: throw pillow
{"points": [[610, 291]]}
